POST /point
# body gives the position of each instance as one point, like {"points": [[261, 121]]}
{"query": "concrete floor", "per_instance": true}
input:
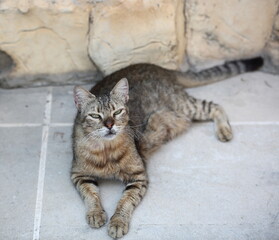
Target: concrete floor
{"points": [[200, 188]]}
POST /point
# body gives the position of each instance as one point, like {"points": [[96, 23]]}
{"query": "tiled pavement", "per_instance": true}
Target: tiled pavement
{"points": [[199, 188]]}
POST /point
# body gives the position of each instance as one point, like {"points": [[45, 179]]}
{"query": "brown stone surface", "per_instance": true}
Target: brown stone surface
{"points": [[47, 42], [271, 51], [220, 30], [129, 32], [53, 42]]}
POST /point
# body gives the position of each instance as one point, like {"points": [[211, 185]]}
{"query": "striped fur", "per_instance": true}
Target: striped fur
{"points": [[117, 127], [218, 73]]}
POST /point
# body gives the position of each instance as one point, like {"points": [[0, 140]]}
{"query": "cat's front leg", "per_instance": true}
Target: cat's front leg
{"points": [[132, 196], [87, 186]]}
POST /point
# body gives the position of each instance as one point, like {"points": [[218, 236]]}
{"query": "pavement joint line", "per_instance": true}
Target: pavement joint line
{"points": [[42, 166], [61, 124], [15, 125], [11, 125], [254, 123]]}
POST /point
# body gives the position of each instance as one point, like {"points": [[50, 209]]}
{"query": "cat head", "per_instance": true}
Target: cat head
{"points": [[103, 117]]}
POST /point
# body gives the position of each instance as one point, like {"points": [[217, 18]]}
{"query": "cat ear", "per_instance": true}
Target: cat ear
{"points": [[81, 97], [121, 89]]}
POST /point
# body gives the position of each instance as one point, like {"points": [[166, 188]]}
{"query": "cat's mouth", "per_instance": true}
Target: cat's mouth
{"points": [[110, 134]]}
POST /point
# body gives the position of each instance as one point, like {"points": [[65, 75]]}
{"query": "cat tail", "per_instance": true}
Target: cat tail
{"points": [[218, 73]]}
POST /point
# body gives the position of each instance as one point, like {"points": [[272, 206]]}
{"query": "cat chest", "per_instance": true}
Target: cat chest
{"points": [[103, 164]]}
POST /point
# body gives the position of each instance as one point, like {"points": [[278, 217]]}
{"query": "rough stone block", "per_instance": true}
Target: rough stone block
{"points": [[47, 41], [271, 51], [136, 31], [220, 30]]}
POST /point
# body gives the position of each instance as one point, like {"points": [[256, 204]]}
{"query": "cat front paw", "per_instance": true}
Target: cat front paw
{"points": [[118, 226], [96, 219]]}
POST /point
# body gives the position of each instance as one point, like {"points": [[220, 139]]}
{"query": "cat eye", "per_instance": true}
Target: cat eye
{"points": [[95, 116], [117, 112]]}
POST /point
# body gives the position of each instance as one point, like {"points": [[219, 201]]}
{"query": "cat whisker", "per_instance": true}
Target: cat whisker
{"points": [[139, 125], [134, 133], [88, 136]]}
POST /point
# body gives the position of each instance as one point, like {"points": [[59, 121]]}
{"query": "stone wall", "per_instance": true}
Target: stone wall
{"points": [[47, 41], [66, 41]]}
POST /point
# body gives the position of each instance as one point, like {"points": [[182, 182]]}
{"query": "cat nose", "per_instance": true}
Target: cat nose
{"points": [[109, 123]]}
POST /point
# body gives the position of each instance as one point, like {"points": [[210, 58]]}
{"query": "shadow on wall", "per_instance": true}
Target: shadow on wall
{"points": [[46, 79], [6, 63]]}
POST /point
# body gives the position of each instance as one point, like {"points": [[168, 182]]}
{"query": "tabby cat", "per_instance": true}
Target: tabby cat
{"points": [[118, 126]]}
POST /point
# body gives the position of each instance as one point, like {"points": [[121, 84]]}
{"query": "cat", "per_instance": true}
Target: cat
{"points": [[127, 116]]}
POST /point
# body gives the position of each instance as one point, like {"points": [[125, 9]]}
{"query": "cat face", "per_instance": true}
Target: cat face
{"points": [[104, 117]]}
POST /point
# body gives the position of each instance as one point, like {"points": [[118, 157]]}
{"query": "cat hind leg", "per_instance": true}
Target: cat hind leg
{"points": [[202, 110], [161, 127]]}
